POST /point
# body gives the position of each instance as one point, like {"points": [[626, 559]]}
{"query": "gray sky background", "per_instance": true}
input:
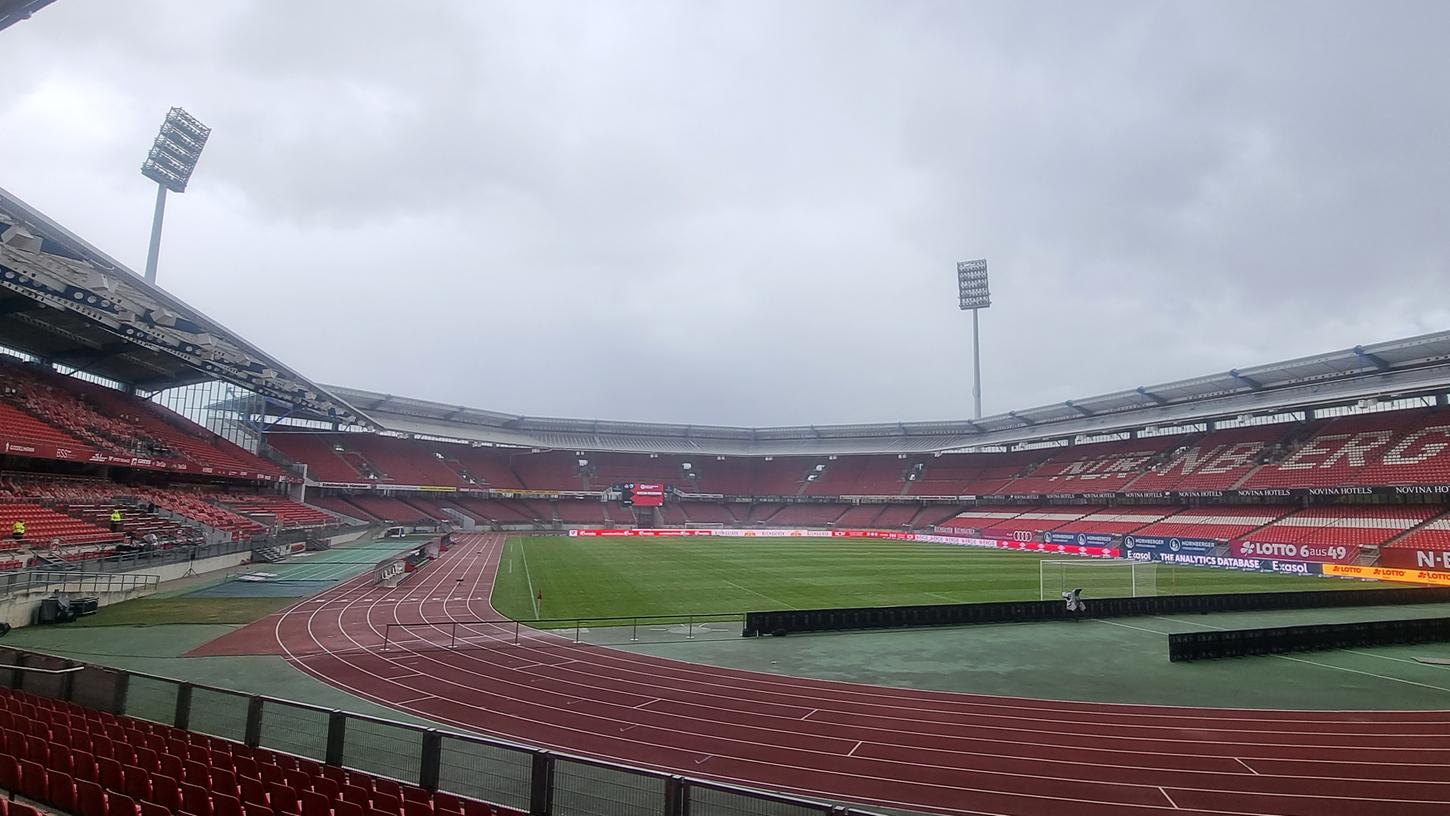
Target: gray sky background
{"points": [[749, 212]]}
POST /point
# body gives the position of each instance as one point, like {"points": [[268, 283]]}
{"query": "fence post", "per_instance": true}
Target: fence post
{"points": [[677, 796], [541, 784], [182, 720], [18, 680], [336, 737], [432, 758], [253, 735], [120, 691], [68, 681]]}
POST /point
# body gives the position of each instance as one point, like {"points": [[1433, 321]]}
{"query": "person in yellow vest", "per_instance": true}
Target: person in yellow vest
{"points": [[17, 530], [116, 520]]}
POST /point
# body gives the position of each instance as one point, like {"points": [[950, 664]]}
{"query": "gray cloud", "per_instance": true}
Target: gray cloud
{"points": [[749, 212]]}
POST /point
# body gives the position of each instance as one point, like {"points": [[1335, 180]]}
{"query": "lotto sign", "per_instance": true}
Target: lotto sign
{"points": [[1408, 576], [1323, 553]]}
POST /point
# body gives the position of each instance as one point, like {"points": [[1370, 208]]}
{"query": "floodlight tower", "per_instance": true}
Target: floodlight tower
{"points": [[170, 163], [973, 296]]}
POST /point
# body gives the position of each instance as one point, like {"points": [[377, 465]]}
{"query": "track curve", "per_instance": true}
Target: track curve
{"points": [[939, 752]]}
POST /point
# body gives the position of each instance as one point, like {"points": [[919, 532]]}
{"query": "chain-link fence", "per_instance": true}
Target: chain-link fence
{"points": [[540, 782]]}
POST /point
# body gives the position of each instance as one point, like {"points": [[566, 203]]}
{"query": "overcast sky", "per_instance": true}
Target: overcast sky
{"points": [[750, 213]]}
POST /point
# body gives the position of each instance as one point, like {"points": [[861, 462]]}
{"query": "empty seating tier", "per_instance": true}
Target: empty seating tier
{"points": [[91, 763]]}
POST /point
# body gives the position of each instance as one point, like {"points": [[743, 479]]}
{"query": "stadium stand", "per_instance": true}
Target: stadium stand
{"points": [[1432, 536], [1214, 461], [997, 522], [91, 763], [43, 524], [1102, 467], [550, 470], [488, 467], [18, 426], [387, 508], [1344, 526], [606, 469], [860, 516], [1386, 448], [194, 505], [1117, 520], [403, 461], [289, 514], [867, 475], [808, 515], [704, 512], [317, 451], [581, 511], [974, 474], [759, 513], [339, 505], [895, 516], [1216, 523], [427, 507]]}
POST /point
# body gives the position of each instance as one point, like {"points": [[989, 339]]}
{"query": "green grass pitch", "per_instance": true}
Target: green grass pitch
{"points": [[616, 577]]}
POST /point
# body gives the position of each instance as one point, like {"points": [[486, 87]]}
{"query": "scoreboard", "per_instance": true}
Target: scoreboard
{"points": [[640, 494]]}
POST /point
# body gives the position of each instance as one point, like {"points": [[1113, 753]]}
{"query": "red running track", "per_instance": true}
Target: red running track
{"points": [[932, 751]]}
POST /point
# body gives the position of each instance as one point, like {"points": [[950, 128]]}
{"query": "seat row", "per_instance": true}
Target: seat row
{"points": [[96, 764]]}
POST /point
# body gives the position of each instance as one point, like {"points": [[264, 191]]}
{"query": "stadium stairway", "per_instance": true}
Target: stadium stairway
{"points": [[271, 555], [50, 561]]}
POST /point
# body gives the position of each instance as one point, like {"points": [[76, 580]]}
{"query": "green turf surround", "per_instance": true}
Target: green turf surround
{"points": [[1118, 661], [605, 577], [184, 610]]}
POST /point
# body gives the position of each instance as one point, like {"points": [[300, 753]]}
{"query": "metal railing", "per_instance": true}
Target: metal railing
{"points": [[14, 583], [534, 780], [453, 634]]}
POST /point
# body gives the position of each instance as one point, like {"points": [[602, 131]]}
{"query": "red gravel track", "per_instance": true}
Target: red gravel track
{"points": [[921, 750]]}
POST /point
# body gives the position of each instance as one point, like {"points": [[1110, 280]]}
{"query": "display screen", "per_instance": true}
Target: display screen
{"points": [[645, 495]]}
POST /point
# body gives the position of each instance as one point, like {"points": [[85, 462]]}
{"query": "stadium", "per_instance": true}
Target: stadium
{"points": [[230, 590]]}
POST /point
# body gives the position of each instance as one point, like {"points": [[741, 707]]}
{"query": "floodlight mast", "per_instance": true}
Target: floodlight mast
{"points": [[973, 296], [170, 163]]}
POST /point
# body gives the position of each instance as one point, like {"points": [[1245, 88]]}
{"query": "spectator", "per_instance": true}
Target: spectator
{"points": [[17, 530]]}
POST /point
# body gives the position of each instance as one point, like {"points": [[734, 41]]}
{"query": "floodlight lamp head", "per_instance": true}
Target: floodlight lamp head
{"points": [[176, 151], [972, 288]]}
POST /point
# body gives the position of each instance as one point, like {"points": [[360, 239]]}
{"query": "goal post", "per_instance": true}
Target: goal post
{"points": [[1114, 578]]}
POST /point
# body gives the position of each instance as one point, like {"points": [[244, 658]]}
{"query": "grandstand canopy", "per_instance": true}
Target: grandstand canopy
{"points": [[13, 11], [1415, 366], [70, 304]]}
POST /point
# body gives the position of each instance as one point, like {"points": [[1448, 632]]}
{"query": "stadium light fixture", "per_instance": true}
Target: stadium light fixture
{"points": [[170, 163], [973, 295]]}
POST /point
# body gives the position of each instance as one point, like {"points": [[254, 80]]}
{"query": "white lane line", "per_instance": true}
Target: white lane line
{"points": [[1346, 651], [1298, 659], [533, 599], [1127, 626], [853, 750], [1246, 765], [1169, 798], [1365, 673]]}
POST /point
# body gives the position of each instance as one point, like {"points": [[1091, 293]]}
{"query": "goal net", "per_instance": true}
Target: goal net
{"points": [[1116, 578]]}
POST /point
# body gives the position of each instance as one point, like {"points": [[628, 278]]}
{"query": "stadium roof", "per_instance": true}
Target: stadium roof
{"points": [[1410, 367], [66, 302], [13, 11]]}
